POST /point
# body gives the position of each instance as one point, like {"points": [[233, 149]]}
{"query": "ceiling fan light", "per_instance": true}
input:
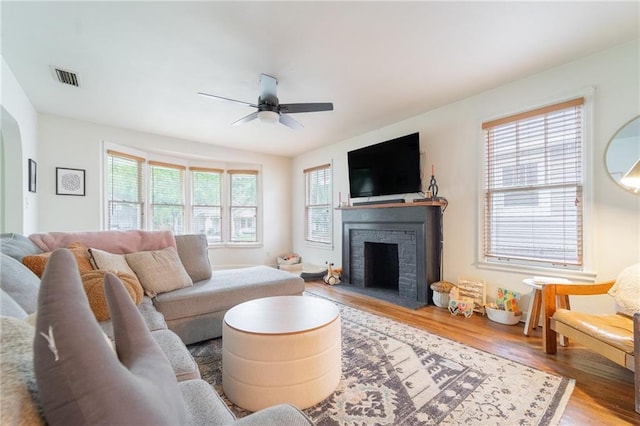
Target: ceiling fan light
{"points": [[269, 116]]}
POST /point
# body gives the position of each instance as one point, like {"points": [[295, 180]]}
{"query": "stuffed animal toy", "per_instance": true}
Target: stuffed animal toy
{"points": [[332, 277]]}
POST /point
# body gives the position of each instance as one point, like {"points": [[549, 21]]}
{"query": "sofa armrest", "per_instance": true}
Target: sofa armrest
{"points": [[283, 414], [550, 293]]}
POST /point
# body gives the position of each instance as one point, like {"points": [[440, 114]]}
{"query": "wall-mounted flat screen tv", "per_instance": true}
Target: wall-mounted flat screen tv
{"points": [[390, 167]]}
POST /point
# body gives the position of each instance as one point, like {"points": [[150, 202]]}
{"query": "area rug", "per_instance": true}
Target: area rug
{"points": [[395, 374]]}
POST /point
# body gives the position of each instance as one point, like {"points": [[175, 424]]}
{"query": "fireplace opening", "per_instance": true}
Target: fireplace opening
{"points": [[381, 266]]}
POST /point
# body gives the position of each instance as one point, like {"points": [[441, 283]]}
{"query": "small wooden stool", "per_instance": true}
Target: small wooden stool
{"points": [[535, 308]]}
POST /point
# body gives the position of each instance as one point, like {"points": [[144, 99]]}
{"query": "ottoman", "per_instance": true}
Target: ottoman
{"points": [[283, 349]]}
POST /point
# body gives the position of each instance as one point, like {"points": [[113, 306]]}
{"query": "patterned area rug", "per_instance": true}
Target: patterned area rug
{"points": [[395, 374]]}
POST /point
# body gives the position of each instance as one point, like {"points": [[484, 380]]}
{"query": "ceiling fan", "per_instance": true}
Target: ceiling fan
{"points": [[270, 109]]}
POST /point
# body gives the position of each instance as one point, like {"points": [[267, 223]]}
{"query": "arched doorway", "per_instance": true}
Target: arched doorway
{"points": [[11, 175]]}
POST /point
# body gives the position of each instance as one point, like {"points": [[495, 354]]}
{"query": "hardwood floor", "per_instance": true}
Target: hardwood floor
{"points": [[603, 393]]}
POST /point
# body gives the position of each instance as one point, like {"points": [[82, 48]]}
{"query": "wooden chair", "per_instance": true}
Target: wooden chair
{"points": [[613, 336]]}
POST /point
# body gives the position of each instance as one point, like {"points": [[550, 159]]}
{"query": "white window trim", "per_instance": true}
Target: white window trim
{"points": [[587, 272], [226, 191], [315, 244]]}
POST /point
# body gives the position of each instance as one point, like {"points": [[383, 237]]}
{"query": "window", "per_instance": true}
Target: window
{"points": [[534, 185], [125, 191], [244, 205], [144, 194], [206, 190], [167, 197], [318, 214]]}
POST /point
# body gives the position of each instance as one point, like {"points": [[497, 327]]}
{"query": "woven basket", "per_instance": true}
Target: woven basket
{"points": [[441, 299]]}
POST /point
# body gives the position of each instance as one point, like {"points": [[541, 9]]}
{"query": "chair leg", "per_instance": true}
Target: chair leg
{"points": [[534, 312], [563, 302]]}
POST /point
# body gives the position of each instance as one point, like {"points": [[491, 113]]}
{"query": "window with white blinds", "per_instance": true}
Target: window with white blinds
{"points": [[140, 193], [167, 197], [318, 212], [533, 187], [244, 205], [124, 191], [206, 206]]}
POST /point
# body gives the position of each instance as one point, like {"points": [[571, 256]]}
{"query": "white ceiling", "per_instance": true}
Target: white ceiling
{"points": [[140, 64]]}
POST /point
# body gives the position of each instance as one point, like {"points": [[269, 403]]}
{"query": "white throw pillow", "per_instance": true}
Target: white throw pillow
{"points": [[626, 291]]}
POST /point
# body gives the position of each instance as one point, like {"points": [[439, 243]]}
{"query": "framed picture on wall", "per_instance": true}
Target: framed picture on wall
{"points": [[69, 181], [33, 174]]}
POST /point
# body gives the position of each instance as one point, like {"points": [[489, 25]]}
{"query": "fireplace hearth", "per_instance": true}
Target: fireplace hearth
{"points": [[392, 250]]}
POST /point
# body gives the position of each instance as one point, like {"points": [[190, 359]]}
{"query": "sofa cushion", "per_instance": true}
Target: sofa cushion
{"points": [[18, 246], [18, 393], [204, 406], [183, 365], [37, 262], [159, 271], [153, 318], [227, 288], [93, 284], [19, 282], [626, 291], [194, 254], [137, 388], [10, 308]]}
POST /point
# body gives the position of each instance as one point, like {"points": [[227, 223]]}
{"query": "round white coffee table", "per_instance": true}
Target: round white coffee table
{"points": [[284, 349]]}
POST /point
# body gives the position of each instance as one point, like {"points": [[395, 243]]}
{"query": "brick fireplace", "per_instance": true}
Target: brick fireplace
{"points": [[396, 248]]}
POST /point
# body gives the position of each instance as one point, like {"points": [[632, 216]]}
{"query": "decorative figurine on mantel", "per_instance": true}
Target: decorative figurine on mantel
{"points": [[433, 186]]}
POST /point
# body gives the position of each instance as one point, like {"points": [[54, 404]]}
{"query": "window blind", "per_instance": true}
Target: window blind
{"points": [[244, 205], [206, 191], [125, 191], [167, 196], [533, 186], [318, 213]]}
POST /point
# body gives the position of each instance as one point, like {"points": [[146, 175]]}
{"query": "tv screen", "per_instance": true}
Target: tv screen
{"points": [[390, 167]]}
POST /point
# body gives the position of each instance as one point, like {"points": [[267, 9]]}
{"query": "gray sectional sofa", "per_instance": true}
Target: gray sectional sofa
{"points": [[173, 319]]}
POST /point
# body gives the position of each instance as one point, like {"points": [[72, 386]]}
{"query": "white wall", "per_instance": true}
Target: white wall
{"points": [[77, 144], [453, 141], [19, 143]]}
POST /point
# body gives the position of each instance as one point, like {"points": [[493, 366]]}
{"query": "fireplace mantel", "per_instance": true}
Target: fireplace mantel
{"points": [[418, 223]]}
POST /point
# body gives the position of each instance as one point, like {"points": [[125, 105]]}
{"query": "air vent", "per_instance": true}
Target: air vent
{"points": [[67, 77]]}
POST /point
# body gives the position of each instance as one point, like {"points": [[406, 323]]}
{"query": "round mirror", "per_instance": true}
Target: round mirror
{"points": [[623, 156]]}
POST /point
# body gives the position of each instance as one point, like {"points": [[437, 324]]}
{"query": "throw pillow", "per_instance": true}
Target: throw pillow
{"points": [[626, 291], [38, 262], [93, 284], [80, 380], [194, 254], [111, 262], [18, 393], [159, 271]]}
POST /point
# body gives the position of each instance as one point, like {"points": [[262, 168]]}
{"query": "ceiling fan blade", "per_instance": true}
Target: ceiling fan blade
{"points": [[268, 89], [227, 99], [246, 119], [307, 107], [290, 122]]}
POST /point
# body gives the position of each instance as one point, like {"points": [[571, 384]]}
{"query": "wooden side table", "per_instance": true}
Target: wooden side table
{"points": [[535, 307]]}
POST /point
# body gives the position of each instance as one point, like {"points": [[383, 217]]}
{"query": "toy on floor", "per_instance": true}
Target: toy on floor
{"points": [[459, 304], [333, 275]]}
